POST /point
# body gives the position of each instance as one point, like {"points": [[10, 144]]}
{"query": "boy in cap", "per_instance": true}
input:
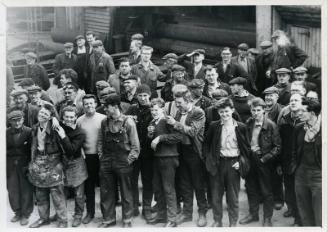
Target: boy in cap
{"points": [[195, 68], [81, 51], [300, 74], [64, 60], [101, 65], [263, 63], [28, 82], [36, 71], [283, 85], [196, 87], [20, 190], [34, 93]]}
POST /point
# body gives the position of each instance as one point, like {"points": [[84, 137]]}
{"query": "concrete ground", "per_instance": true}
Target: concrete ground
{"points": [[278, 219]]}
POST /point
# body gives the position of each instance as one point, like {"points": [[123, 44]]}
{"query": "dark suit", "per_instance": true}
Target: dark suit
{"points": [[233, 70], [263, 63]]}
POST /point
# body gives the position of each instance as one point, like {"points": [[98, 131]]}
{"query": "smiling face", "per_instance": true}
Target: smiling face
{"points": [[30, 60], [130, 85], [16, 123], [69, 118], [80, 42], [211, 76], [146, 55], [225, 113], [157, 112], [181, 104], [89, 105], [271, 99], [44, 115], [226, 55], [295, 102], [20, 101], [35, 97]]}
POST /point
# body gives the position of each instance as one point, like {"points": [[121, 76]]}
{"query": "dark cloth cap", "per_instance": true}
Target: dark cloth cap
{"points": [[70, 85], [196, 83], [79, 37], [170, 56], [106, 92], [15, 114], [97, 43], [197, 51], [177, 67], [144, 88], [266, 44], [253, 51], [31, 55], [112, 99], [132, 77], [68, 45], [34, 89], [238, 81], [283, 70], [243, 46], [101, 84], [19, 92], [89, 32], [271, 90], [26, 82], [300, 69], [137, 36]]}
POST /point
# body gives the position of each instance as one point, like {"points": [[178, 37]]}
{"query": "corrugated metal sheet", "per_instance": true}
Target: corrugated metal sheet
{"points": [[309, 40], [97, 19]]}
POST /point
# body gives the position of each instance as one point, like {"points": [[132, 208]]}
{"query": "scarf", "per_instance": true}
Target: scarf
{"points": [[312, 130]]}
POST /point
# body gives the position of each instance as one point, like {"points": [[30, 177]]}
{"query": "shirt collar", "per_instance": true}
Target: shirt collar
{"points": [[234, 123]]}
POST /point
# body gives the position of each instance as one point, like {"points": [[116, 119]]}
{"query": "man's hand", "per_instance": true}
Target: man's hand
{"points": [[130, 160], [61, 132], [55, 123], [155, 142], [236, 165], [170, 120], [268, 74]]}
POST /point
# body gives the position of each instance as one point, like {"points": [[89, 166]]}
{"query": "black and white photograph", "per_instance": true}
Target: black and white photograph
{"points": [[163, 116]]}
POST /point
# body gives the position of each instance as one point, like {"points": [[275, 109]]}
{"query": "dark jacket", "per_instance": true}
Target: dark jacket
{"points": [[269, 138], [263, 63], [252, 71], [242, 107], [22, 146], [284, 94], [62, 61], [169, 138], [82, 66], [204, 102], [233, 70], [297, 151], [39, 75], [193, 128], [212, 144], [290, 56], [73, 141], [222, 85], [190, 71], [274, 112]]}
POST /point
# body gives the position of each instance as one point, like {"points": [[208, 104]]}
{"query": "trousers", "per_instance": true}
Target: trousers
{"points": [[92, 166]]}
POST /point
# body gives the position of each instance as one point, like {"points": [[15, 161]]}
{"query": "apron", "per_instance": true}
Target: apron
{"points": [[75, 171]]}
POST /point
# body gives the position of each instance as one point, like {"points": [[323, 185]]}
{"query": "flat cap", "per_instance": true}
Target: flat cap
{"points": [[31, 55], [26, 82], [132, 77], [79, 37], [34, 89], [271, 90], [89, 32], [238, 81], [19, 92], [144, 88], [170, 56], [197, 51], [97, 43], [71, 85], [177, 67], [137, 36], [266, 44], [243, 46], [277, 33], [112, 99], [106, 91], [253, 51], [101, 84], [68, 45], [300, 69], [283, 70], [196, 83], [15, 114]]}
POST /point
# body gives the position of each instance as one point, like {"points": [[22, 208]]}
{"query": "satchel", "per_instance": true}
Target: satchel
{"points": [[244, 166]]}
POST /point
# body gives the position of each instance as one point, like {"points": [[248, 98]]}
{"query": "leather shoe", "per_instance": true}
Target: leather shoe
{"points": [[87, 219], [40, 222], [278, 206], [76, 222], [156, 220], [248, 219], [202, 221], [288, 213], [127, 224], [15, 218], [23, 221], [267, 222], [183, 218], [62, 225], [171, 224], [217, 224], [106, 225]]}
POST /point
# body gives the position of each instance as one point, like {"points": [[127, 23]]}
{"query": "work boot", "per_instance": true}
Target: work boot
{"points": [[127, 224], [40, 222], [76, 222], [15, 218], [217, 224], [267, 222], [87, 219], [147, 214], [202, 221], [62, 225], [23, 221], [183, 218], [248, 219]]}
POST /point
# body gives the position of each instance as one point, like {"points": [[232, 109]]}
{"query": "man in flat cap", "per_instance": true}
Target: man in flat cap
{"points": [[253, 53], [196, 87], [213, 82], [170, 60], [227, 70], [301, 74], [247, 64], [36, 71], [116, 80], [283, 85], [144, 164], [195, 67], [130, 85], [240, 97], [34, 93], [28, 82], [102, 95], [20, 190], [286, 54], [64, 60], [263, 63], [101, 65], [81, 51], [20, 99], [148, 72]]}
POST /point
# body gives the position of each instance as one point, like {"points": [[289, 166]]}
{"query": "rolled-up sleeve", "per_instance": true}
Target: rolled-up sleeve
{"points": [[133, 139]]}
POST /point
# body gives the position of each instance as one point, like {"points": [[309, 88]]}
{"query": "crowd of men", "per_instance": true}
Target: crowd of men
{"points": [[255, 116]]}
